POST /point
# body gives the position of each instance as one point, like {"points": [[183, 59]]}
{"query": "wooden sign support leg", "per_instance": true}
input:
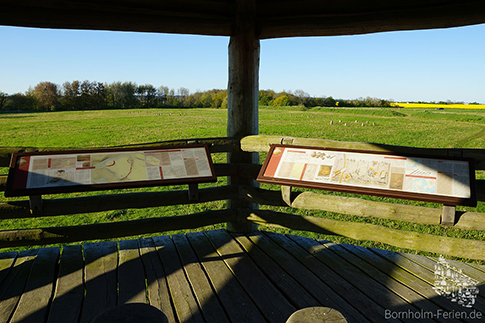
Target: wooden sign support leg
{"points": [[35, 203], [448, 215], [286, 194], [193, 192]]}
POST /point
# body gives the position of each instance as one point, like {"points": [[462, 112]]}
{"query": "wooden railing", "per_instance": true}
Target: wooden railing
{"points": [[309, 200]]}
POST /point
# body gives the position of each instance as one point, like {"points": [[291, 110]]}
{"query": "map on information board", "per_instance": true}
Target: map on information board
{"points": [[375, 172], [103, 168]]}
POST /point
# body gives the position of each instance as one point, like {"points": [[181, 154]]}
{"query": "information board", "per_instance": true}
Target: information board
{"points": [[444, 180], [87, 170]]}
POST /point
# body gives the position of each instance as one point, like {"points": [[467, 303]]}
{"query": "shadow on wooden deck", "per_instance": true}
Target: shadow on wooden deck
{"points": [[218, 277]]}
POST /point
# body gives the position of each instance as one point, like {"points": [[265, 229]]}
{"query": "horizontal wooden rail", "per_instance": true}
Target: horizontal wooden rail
{"points": [[101, 203], [3, 182], [216, 145], [465, 248], [361, 207], [261, 143], [43, 236]]}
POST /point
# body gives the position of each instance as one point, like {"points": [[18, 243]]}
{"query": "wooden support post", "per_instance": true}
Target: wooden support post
{"points": [[448, 215], [242, 98]]}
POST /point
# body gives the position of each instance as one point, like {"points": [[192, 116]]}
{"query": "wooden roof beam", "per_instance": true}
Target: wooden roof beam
{"points": [[117, 18], [330, 23]]}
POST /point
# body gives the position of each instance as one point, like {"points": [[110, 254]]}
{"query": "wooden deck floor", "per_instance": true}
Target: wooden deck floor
{"points": [[218, 277]]}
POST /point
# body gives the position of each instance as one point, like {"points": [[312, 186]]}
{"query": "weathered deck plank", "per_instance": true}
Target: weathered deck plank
{"points": [[274, 306], [100, 275], [238, 305], [207, 299], [13, 285], [220, 277], [69, 293], [430, 265], [184, 301], [34, 303], [6, 262], [424, 267], [365, 278], [402, 282], [131, 274], [293, 291], [157, 286], [314, 285], [355, 295]]}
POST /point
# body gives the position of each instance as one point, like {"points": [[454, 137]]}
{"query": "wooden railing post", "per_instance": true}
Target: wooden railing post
{"points": [[242, 96]]}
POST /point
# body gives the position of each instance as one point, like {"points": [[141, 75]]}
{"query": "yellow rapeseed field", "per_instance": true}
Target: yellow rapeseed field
{"points": [[434, 106]]}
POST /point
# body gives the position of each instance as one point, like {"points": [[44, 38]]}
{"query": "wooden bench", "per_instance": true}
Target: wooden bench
{"points": [[446, 180], [53, 172]]}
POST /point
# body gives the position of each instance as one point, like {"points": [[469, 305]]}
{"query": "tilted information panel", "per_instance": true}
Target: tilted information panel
{"points": [[447, 180], [102, 169]]}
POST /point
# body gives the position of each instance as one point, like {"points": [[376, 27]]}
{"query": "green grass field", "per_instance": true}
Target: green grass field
{"points": [[86, 129], [407, 127]]}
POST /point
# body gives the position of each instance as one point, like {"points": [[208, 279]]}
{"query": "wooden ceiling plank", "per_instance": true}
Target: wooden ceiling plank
{"points": [[275, 19], [101, 7], [81, 19], [412, 19]]}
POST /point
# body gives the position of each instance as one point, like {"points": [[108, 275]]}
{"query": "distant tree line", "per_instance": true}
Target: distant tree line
{"points": [[86, 95], [303, 99]]}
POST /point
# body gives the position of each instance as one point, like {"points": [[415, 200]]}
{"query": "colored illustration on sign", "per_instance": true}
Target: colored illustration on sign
{"points": [[59, 170], [380, 171]]}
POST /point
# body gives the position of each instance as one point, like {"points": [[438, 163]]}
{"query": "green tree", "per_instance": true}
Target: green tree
{"points": [[281, 101], [71, 98], [285, 99], [266, 97], [122, 95], [329, 102], [147, 94], [98, 92], [302, 98], [163, 93], [218, 99], [318, 102], [20, 101], [87, 97], [47, 95], [183, 96], [3, 100]]}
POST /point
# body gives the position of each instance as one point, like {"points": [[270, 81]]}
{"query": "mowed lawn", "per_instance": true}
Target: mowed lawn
{"points": [[87, 129], [82, 129]]}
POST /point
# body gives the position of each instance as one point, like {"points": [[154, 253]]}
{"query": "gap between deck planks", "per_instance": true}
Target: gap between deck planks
{"points": [[218, 277]]}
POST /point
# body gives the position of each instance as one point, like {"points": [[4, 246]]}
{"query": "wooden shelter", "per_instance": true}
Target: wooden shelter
{"points": [[245, 22], [221, 276], [268, 18]]}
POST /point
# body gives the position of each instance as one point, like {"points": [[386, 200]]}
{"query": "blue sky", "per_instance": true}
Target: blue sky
{"points": [[428, 65]]}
